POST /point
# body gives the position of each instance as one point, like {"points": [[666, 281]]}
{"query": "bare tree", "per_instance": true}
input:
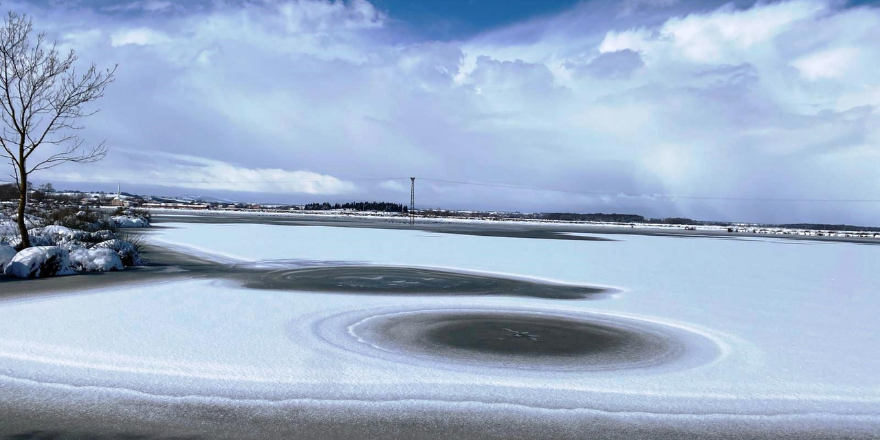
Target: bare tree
{"points": [[42, 97]]}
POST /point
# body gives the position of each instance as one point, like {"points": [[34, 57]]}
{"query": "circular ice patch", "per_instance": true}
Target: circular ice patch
{"points": [[518, 339]]}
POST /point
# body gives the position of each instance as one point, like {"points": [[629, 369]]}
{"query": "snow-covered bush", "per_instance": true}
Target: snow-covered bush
{"points": [[127, 251], [77, 219], [7, 227], [129, 221], [98, 236], [95, 260], [6, 255], [72, 245], [39, 262], [76, 238], [58, 233], [36, 240]]}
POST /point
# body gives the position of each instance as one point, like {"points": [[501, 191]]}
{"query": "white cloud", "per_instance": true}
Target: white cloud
{"points": [[139, 37], [725, 35], [185, 171], [733, 102], [637, 40], [830, 63], [149, 6], [393, 185]]}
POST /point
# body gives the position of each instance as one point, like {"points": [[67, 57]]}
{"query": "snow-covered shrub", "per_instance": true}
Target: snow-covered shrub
{"points": [[142, 213], [36, 240], [8, 227], [98, 236], [95, 260], [39, 262], [127, 251], [127, 221], [79, 219], [58, 233], [72, 245], [6, 255]]}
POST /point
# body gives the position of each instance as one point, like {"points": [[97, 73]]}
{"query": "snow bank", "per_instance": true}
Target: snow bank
{"points": [[124, 221], [95, 260], [6, 255], [39, 262], [126, 251]]}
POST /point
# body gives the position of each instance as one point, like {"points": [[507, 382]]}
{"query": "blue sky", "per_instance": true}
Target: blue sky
{"points": [[636, 103], [438, 19], [456, 19]]}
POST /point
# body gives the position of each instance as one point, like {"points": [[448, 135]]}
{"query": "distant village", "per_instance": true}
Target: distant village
{"points": [[46, 197]]}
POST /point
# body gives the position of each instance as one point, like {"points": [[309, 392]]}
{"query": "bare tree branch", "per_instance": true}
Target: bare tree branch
{"points": [[42, 98]]}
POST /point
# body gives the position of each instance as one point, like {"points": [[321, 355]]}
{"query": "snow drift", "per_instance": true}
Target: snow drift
{"points": [[124, 221], [39, 262], [127, 252], [95, 260]]}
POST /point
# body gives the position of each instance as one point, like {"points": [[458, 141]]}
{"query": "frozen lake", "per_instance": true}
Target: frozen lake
{"points": [[716, 337]]}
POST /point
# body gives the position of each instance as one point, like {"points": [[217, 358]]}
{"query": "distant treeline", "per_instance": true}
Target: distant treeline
{"points": [[594, 217], [359, 206], [9, 192]]}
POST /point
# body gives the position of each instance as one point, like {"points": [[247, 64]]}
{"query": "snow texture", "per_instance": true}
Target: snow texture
{"points": [[59, 233], [95, 260], [772, 331], [126, 251], [6, 255], [36, 240], [123, 221], [39, 262]]}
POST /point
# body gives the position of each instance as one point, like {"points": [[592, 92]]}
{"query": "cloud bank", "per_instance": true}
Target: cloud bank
{"points": [[633, 99]]}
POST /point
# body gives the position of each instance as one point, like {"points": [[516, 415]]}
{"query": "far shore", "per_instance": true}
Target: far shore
{"points": [[513, 229], [172, 264]]}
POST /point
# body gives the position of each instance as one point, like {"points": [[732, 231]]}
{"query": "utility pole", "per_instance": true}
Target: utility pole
{"points": [[412, 200]]}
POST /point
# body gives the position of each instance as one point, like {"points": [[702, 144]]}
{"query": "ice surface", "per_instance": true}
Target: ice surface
{"points": [[792, 325]]}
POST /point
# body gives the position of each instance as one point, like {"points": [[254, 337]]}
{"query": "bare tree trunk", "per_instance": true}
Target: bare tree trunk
{"points": [[22, 204], [41, 99]]}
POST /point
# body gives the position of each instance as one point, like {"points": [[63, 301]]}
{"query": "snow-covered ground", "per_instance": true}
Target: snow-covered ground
{"points": [[774, 328]]}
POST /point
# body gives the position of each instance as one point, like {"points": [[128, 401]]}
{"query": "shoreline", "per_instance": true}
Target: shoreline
{"points": [[510, 229], [419, 335], [169, 264]]}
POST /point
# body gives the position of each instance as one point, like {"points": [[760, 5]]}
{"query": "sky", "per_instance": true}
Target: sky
{"points": [[737, 111]]}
